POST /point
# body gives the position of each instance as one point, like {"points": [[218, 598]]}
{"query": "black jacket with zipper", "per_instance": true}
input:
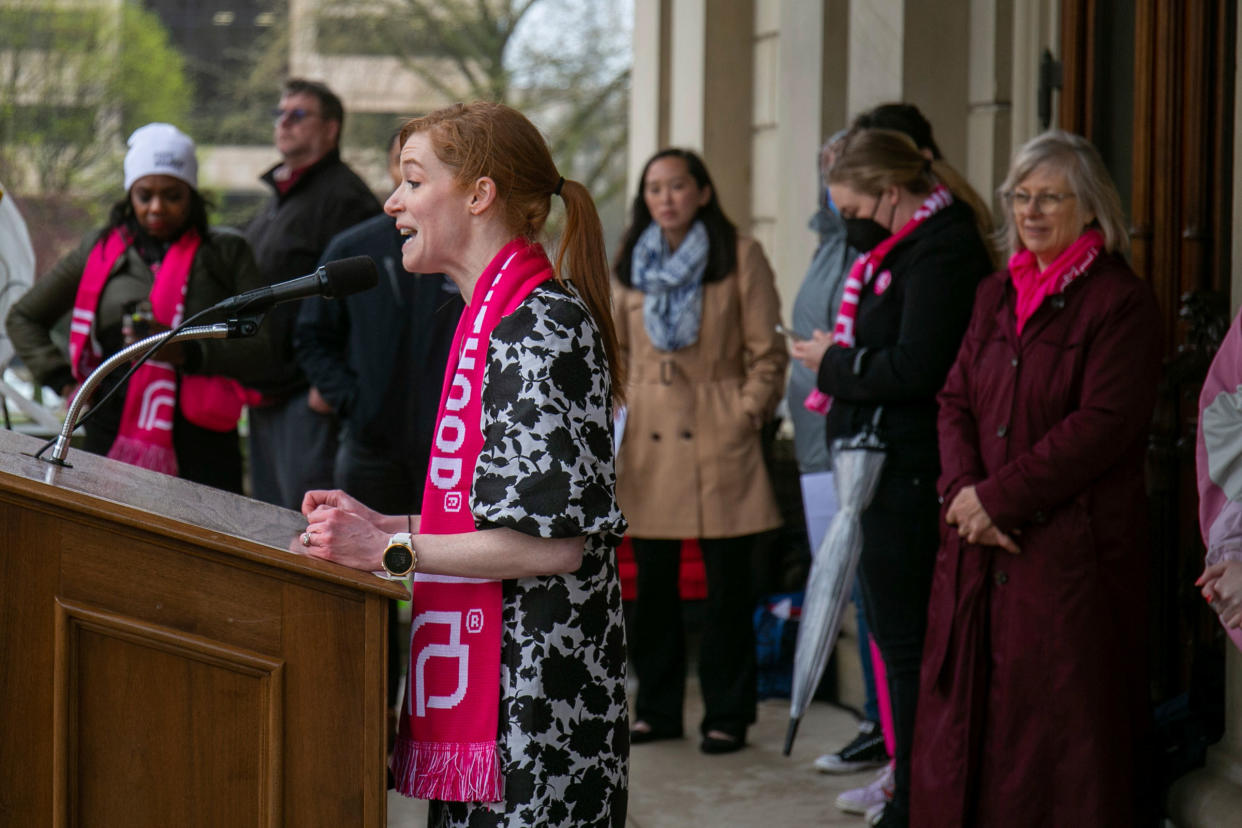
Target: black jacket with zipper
{"points": [[907, 333], [289, 234]]}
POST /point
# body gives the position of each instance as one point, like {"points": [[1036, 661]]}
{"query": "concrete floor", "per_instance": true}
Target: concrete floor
{"points": [[672, 784]]}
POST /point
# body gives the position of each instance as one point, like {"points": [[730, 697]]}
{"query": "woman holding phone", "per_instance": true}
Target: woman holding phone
{"points": [[907, 302]]}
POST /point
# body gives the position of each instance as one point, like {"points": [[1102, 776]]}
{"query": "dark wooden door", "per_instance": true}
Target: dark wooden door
{"points": [[1151, 84]]}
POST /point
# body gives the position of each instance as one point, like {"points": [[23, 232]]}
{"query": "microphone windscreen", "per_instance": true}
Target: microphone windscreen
{"points": [[346, 276]]}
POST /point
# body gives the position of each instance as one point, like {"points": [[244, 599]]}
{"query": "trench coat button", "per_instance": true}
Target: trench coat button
{"points": [[1039, 517], [1002, 431], [1001, 577], [655, 435], [686, 435]]}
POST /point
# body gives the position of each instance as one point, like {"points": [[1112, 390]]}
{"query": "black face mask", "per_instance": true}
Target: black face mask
{"points": [[863, 234]]}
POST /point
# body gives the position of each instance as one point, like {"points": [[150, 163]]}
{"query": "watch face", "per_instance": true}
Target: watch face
{"points": [[398, 559]]}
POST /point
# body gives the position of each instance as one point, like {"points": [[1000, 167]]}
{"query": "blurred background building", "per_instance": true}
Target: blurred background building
{"points": [[76, 76]]}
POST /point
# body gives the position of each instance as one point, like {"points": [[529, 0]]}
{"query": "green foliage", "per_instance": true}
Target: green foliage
{"points": [[26, 26], [73, 84], [563, 63], [151, 80]]}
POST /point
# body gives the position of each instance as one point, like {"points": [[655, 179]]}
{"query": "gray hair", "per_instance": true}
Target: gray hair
{"points": [[1080, 162]]}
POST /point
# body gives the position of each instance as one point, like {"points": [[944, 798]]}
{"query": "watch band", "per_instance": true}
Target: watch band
{"points": [[400, 558]]}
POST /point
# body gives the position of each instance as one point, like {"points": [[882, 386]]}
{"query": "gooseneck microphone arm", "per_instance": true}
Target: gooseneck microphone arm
{"points": [[332, 281], [232, 329]]}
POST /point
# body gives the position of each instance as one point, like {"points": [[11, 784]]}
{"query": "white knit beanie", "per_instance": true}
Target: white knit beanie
{"points": [[160, 149]]}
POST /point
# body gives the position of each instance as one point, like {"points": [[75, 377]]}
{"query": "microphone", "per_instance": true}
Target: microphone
{"points": [[332, 281]]}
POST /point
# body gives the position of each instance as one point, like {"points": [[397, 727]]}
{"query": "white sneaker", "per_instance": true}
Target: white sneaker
{"points": [[877, 792], [875, 813]]}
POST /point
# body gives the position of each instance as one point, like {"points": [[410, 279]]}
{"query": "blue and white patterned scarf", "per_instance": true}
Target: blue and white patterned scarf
{"points": [[672, 282]]}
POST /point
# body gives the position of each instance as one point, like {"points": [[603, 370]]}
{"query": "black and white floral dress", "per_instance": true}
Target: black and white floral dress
{"points": [[546, 469]]}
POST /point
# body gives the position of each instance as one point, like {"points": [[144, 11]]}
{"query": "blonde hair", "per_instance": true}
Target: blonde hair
{"points": [[873, 160], [485, 139], [1084, 169]]}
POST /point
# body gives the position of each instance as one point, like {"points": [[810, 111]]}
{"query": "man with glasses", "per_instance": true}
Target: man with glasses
{"points": [[315, 196]]}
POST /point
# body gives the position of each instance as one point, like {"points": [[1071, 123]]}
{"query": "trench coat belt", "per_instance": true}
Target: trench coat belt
{"points": [[668, 371]]}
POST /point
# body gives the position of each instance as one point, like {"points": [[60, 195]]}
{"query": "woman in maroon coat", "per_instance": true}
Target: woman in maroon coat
{"points": [[1033, 700]]}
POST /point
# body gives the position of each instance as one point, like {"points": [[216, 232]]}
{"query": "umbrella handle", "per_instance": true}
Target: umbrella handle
{"points": [[875, 419]]}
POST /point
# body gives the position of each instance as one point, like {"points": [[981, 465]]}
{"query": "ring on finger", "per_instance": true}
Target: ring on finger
{"points": [[306, 538]]}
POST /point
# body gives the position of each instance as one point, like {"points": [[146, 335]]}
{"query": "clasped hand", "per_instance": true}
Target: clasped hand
{"points": [[342, 530], [1221, 584], [973, 523], [810, 352]]}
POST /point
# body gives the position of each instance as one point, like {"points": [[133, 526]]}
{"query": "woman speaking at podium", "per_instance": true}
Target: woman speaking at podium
{"points": [[515, 709], [155, 261]]}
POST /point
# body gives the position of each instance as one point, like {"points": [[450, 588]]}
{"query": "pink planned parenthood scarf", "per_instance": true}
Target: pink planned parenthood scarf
{"points": [[861, 275], [145, 435], [1034, 286], [447, 740]]}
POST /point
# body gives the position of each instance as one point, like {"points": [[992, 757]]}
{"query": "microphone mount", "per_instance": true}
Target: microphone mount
{"points": [[233, 328]]}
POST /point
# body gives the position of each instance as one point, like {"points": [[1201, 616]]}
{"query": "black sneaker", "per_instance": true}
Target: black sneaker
{"points": [[866, 751]]}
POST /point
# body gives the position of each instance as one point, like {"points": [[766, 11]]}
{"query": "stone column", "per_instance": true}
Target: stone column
{"points": [[648, 87], [693, 88], [876, 51], [935, 71], [989, 125], [1036, 26], [800, 94], [1212, 797]]}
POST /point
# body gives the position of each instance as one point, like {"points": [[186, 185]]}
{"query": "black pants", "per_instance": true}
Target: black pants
{"points": [[900, 538], [727, 649], [385, 484], [212, 458], [292, 449]]}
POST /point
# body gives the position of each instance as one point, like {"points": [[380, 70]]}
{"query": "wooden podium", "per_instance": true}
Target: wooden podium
{"points": [[166, 660]]}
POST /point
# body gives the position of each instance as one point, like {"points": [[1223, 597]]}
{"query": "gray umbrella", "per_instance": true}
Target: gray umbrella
{"points": [[856, 463]]}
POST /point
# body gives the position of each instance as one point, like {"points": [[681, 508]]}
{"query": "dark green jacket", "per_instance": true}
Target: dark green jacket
{"points": [[222, 267]]}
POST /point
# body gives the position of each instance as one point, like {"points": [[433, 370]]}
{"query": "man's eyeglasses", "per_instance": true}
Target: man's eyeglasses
{"points": [[1044, 202], [293, 116]]}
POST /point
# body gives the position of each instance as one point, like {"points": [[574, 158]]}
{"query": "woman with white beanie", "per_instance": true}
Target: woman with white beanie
{"points": [[154, 262]]}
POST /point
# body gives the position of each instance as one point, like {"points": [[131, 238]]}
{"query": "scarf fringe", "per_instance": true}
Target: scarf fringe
{"points": [[448, 771], [145, 455]]}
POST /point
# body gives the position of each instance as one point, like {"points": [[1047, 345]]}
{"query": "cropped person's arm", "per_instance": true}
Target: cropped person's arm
{"points": [[321, 339], [30, 320]]}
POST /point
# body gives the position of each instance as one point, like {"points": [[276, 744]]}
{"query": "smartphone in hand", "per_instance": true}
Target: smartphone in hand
{"points": [[792, 336]]}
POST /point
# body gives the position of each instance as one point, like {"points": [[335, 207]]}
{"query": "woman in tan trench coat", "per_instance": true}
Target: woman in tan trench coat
{"points": [[696, 310]]}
